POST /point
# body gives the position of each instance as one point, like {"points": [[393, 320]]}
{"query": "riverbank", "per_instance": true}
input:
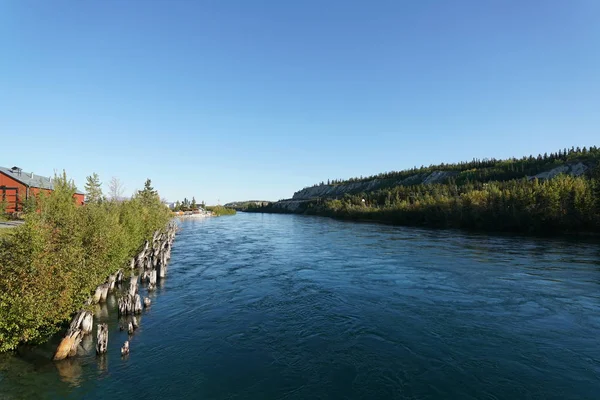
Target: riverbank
{"points": [[53, 262], [193, 216], [221, 210], [562, 205], [557, 193]]}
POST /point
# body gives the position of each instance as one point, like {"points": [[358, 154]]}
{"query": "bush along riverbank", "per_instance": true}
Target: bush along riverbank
{"points": [[151, 263], [218, 211], [53, 262]]}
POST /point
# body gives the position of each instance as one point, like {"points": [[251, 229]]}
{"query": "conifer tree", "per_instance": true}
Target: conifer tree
{"points": [[148, 195], [93, 189]]}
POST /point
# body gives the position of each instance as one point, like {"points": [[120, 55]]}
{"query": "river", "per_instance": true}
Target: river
{"points": [[260, 306]]}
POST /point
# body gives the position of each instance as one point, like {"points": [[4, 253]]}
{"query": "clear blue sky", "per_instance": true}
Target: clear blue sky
{"points": [[236, 100]]}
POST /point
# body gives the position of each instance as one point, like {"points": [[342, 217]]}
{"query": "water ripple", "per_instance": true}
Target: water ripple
{"points": [[292, 307]]}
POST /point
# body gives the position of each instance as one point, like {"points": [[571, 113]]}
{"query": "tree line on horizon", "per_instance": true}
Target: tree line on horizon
{"points": [[495, 195], [487, 169]]}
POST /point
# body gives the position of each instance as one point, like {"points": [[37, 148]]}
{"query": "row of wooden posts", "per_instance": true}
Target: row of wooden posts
{"points": [[152, 264]]}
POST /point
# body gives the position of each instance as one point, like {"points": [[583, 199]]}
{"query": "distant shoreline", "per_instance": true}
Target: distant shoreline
{"points": [[195, 216]]}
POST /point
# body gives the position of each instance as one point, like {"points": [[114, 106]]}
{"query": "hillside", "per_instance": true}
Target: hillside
{"points": [[551, 192], [575, 162]]}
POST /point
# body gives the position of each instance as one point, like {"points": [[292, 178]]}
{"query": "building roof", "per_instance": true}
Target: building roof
{"points": [[29, 178]]}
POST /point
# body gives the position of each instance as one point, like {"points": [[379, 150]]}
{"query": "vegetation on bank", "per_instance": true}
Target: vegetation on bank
{"points": [[511, 202], [248, 204], [54, 260], [220, 210]]}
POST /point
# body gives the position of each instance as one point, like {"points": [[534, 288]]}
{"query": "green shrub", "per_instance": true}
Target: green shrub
{"points": [[220, 210], [3, 206], [54, 260]]}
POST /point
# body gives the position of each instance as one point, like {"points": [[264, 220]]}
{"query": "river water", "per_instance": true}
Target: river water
{"points": [[292, 307]]}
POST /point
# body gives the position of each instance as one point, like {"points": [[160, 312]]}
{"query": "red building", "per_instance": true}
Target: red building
{"points": [[16, 186]]}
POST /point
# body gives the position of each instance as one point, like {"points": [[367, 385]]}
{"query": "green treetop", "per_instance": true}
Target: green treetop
{"points": [[93, 189], [148, 195]]}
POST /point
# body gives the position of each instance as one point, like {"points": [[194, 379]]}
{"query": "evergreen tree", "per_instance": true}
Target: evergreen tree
{"points": [[194, 206], [93, 189], [148, 195]]}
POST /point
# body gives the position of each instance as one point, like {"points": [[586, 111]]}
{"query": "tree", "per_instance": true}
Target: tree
{"points": [[194, 206], [93, 189], [177, 206], [148, 194], [115, 189]]}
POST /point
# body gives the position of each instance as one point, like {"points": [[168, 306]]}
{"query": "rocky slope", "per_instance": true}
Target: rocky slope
{"points": [[329, 191], [333, 191]]}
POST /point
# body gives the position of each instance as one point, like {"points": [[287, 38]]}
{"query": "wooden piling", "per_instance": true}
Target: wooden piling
{"points": [[102, 336]]}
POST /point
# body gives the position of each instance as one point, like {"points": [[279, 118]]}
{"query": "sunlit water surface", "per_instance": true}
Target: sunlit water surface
{"points": [[292, 307]]}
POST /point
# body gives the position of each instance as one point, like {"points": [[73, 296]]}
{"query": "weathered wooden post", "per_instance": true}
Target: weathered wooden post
{"points": [[123, 305], [68, 346], [119, 276], [81, 324], [133, 285], [147, 302], [140, 258], [162, 267], [152, 284], [104, 293], [145, 276], [155, 259], [102, 337], [87, 323], [137, 304], [97, 295]]}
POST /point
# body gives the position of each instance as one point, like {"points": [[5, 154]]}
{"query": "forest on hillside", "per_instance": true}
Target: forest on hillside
{"points": [[484, 170], [491, 195]]}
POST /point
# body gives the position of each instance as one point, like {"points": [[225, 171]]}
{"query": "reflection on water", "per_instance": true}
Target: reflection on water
{"points": [[102, 361], [101, 310], [70, 370], [277, 306], [87, 345]]}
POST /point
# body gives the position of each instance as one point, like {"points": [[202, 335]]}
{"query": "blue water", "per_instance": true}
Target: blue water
{"points": [[293, 307]]}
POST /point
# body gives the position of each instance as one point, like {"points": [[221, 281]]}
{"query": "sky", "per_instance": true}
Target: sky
{"points": [[235, 100]]}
